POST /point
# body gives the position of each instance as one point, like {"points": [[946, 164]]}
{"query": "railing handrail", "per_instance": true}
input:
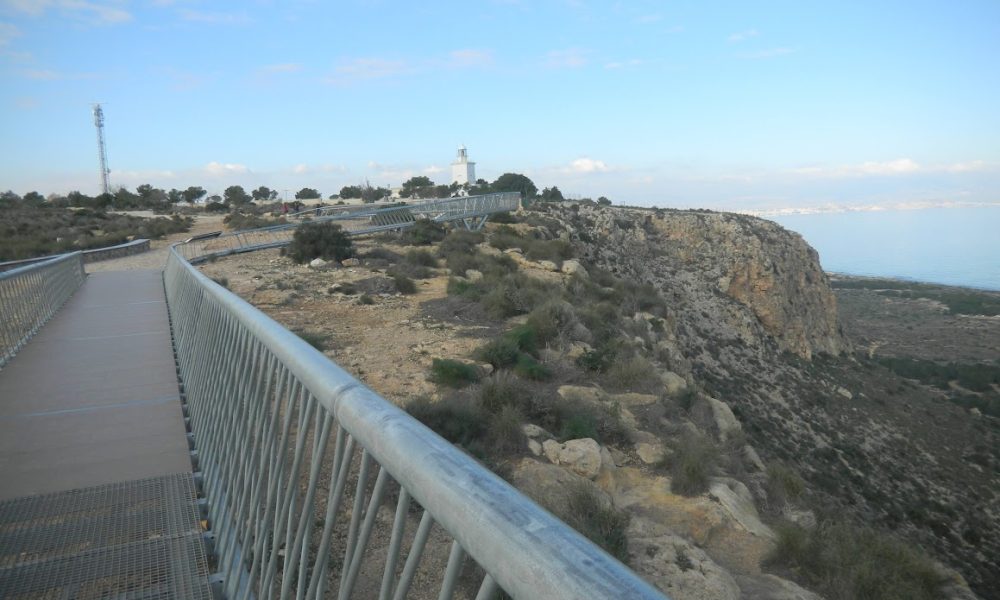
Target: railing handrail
{"points": [[11, 264], [528, 551], [271, 236], [31, 294]]}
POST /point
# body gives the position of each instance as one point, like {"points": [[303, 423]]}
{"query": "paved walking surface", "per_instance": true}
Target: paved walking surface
{"points": [[92, 399], [97, 498]]}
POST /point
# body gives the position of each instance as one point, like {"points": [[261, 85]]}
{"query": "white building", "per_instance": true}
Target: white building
{"points": [[463, 171]]}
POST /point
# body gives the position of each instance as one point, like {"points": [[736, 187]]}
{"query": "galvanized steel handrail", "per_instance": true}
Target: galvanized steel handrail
{"points": [[31, 294], [363, 220], [89, 256], [276, 424]]}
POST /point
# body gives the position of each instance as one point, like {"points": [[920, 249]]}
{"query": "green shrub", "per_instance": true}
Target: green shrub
{"points": [[324, 240], [599, 522], [503, 217], [692, 464], [459, 241], [366, 299], [554, 250], [456, 420], [223, 281], [404, 285], [501, 352], [380, 253], [529, 368], [421, 258], [502, 389], [424, 232], [552, 319], [845, 562], [783, 485], [515, 294], [453, 373], [524, 337], [599, 359], [316, 340], [579, 425], [505, 431], [633, 373], [465, 288]]}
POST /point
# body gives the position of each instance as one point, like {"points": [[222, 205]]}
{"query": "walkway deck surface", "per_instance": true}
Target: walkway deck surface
{"points": [[97, 498], [93, 398]]}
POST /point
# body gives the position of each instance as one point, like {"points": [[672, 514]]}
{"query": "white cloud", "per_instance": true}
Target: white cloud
{"points": [[624, 64], [470, 57], [50, 75], [217, 169], [570, 58], [742, 36], [97, 13], [587, 165], [433, 170], [300, 169], [7, 33], [766, 53], [367, 69], [214, 18], [899, 166], [281, 68], [972, 166]]}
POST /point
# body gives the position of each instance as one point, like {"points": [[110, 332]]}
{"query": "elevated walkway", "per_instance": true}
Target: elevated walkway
{"points": [[97, 498]]}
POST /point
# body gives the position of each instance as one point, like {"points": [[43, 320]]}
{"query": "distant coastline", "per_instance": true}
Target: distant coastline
{"points": [[841, 208]]}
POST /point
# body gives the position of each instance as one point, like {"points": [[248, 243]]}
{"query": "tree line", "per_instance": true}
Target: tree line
{"points": [[147, 197]]}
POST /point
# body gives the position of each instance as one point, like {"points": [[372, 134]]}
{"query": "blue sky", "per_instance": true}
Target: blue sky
{"points": [[716, 104]]}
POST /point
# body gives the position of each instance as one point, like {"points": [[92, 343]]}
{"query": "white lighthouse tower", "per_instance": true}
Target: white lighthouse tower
{"points": [[463, 171]]}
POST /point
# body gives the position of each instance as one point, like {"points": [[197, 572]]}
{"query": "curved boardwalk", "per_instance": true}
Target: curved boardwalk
{"points": [[96, 491]]}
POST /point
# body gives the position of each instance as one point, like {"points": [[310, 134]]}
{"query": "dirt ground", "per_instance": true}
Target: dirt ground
{"points": [[157, 255], [389, 344], [916, 328]]}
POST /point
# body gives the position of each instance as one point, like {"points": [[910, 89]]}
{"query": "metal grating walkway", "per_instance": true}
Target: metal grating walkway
{"points": [[133, 539]]}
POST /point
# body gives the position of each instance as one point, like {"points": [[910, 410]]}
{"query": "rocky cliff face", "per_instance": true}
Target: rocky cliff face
{"points": [[753, 262], [752, 321]]}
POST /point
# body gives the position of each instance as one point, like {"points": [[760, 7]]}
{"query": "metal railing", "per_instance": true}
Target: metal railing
{"points": [[31, 294], [357, 221], [288, 444], [89, 256]]}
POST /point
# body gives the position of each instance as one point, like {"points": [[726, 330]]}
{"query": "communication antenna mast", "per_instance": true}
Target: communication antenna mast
{"points": [[102, 150]]}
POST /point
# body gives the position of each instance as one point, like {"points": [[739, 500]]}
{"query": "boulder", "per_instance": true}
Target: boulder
{"points": [[582, 456], [673, 382], [751, 460], [592, 395], [534, 447], [550, 485], [548, 265], [845, 393], [634, 399], [722, 523], [351, 262], [572, 266], [317, 263], [772, 587], [715, 416], [675, 566], [534, 431], [473, 275]]}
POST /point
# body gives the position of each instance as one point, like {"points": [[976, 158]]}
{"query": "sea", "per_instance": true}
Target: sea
{"points": [[953, 246]]}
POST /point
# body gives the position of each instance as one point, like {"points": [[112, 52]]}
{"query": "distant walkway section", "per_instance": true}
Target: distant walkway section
{"points": [[93, 398]]}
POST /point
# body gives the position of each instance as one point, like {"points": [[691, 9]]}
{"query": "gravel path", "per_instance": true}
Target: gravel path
{"points": [[157, 255]]}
